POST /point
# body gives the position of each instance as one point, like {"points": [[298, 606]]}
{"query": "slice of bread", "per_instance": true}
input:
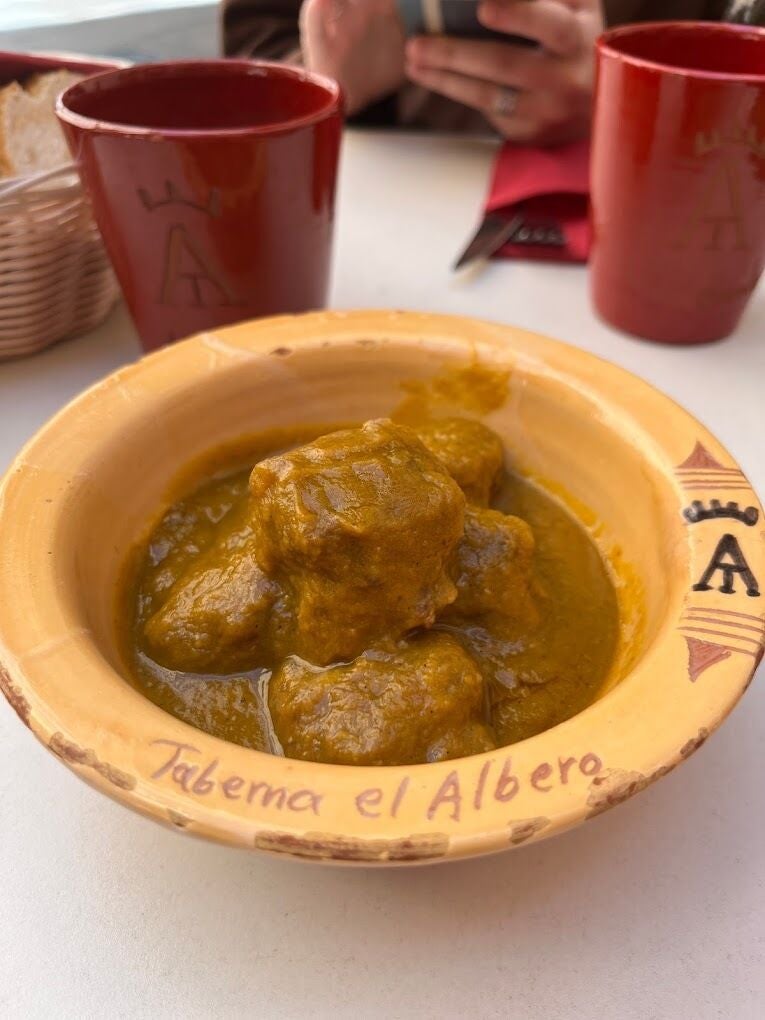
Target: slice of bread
{"points": [[49, 84], [30, 137]]}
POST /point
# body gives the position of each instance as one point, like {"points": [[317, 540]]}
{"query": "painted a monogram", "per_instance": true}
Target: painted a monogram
{"points": [[189, 275], [728, 560]]}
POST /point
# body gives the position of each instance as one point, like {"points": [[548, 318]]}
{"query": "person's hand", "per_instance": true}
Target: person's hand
{"points": [[360, 43], [540, 94]]}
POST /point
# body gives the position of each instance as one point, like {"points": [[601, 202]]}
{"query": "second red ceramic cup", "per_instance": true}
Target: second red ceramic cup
{"points": [[213, 184], [677, 179]]}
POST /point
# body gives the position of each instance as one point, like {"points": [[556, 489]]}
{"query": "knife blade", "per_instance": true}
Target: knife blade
{"points": [[496, 230]]}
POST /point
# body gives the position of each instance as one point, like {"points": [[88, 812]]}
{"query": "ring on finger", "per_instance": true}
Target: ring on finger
{"points": [[505, 101]]}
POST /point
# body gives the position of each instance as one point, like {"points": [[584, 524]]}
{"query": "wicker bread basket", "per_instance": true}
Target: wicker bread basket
{"points": [[55, 278]]}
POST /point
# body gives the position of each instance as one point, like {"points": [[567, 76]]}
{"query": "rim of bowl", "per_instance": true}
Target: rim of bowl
{"points": [[168, 68], [653, 719], [607, 45]]}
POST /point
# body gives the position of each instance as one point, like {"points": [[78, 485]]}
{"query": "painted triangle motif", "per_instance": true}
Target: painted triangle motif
{"points": [[702, 655], [700, 458]]}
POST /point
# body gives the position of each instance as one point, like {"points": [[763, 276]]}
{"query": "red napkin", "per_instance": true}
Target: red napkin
{"points": [[553, 185]]}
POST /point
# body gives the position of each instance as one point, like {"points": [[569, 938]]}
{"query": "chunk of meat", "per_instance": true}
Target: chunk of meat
{"points": [[222, 613], [407, 702], [473, 738], [227, 707], [533, 704], [470, 452], [186, 531], [357, 528], [492, 568]]}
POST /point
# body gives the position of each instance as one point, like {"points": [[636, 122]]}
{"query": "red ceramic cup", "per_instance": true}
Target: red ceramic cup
{"points": [[213, 186], [678, 166]]}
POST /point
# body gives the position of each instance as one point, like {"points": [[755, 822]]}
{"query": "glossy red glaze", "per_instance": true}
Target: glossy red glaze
{"points": [[213, 186], [678, 165]]}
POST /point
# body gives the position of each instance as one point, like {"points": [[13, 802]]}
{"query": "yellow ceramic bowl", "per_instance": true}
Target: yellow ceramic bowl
{"points": [[641, 473]]}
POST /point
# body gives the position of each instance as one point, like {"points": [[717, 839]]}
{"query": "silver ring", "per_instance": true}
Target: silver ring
{"points": [[505, 101]]}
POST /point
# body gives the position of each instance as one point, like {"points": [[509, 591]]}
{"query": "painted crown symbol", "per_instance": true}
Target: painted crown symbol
{"points": [[698, 512], [172, 196]]}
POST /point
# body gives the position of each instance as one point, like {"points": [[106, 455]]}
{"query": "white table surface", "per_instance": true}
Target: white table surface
{"points": [[653, 910]]}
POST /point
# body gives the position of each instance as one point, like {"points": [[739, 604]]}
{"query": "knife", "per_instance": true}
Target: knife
{"points": [[498, 229]]}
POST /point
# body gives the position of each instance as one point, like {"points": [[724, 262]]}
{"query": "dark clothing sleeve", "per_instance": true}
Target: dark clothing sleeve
{"points": [[619, 12], [269, 29], [261, 28]]}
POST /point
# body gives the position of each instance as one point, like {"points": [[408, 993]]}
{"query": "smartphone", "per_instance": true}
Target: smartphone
{"points": [[450, 17]]}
